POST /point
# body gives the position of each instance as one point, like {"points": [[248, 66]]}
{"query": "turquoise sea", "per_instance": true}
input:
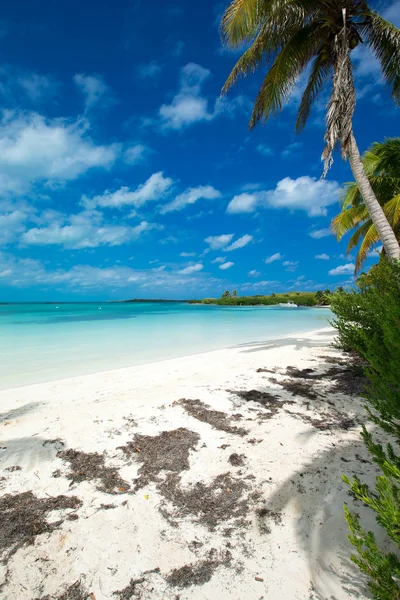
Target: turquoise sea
{"points": [[43, 342]]}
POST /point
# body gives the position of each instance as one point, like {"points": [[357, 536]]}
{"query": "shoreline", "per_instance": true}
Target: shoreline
{"points": [[215, 475], [162, 360]]}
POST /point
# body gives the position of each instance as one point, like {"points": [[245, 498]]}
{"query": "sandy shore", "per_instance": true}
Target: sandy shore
{"points": [[215, 476]]}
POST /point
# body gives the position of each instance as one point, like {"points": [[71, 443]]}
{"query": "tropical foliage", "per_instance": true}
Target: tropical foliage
{"points": [[294, 37], [368, 321], [299, 298], [382, 166]]}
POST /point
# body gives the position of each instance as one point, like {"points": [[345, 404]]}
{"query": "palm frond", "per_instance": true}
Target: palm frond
{"points": [[339, 116], [386, 157], [392, 211], [241, 21], [320, 71], [350, 195], [370, 239], [384, 39], [282, 76], [249, 61], [384, 187], [348, 219], [357, 235]]}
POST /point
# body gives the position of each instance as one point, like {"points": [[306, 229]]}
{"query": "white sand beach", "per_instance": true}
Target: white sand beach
{"points": [[216, 476]]}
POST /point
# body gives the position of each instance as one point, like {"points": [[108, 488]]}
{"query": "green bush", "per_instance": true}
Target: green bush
{"points": [[368, 321]]}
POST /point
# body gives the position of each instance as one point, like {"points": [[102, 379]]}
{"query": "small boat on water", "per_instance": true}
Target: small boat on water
{"points": [[288, 305]]}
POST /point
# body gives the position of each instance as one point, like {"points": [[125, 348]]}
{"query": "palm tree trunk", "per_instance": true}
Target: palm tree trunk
{"points": [[378, 217]]}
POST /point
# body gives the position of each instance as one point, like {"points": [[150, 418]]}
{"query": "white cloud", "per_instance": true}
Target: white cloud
{"points": [[243, 203], [290, 265], [216, 242], [191, 269], [317, 234], [226, 266], [304, 193], [149, 70], [22, 273], [254, 273], [19, 86], [366, 63], [240, 243], [273, 258], [219, 260], [343, 270], [13, 223], [322, 256], [153, 189], [94, 90], [348, 257], [84, 230], [262, 284], [187, 254], [34, 149], [191, 196], [190, 106], [291, 149], [37, 87], [136, 154], [265, 150]]}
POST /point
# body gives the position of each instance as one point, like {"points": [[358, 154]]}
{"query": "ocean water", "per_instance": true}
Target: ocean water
{"points": [[43, 342]]}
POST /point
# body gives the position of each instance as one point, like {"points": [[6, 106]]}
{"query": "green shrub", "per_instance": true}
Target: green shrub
{"points": [[368, 321]]}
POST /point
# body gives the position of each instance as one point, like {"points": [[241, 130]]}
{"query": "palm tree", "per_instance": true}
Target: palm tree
{"points": [[291, 35], [382, 166]]}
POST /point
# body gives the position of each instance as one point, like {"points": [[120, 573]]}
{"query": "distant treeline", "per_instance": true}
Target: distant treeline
{"points": [[155, 300], [320, 298]]}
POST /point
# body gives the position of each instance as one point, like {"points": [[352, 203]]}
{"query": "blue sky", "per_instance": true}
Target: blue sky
{"points": [[124, 174]]}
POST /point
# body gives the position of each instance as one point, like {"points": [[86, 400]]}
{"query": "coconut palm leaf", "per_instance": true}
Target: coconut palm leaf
{"points": [[370, 238], [382, 165], [384, 157], [392, 210], [350, 195], [241, 21], [283, 75], [346, 220], [358, 235], [384, 39], [320, 72]]}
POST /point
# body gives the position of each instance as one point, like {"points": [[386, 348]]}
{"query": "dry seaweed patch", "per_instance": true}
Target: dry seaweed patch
{"points": [[131, 591], [199, 573], [218, 502], [304, 388], [302, 373], [264, 516], [269, 401], [237, 460], [217, 419], [74, 592], [91, 466], [168, 451], [23, 518]]}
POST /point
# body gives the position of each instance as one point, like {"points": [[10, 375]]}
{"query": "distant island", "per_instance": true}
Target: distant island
{"points": [[320, 298], [153, 300]]}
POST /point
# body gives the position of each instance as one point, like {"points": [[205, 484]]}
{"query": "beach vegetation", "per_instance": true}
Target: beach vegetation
{"points": [[299, 298], [368, 321], [382, 166], [314, 39]]}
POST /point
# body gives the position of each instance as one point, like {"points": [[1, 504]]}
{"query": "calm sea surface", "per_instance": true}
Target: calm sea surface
{"points": [[43, 342]]}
